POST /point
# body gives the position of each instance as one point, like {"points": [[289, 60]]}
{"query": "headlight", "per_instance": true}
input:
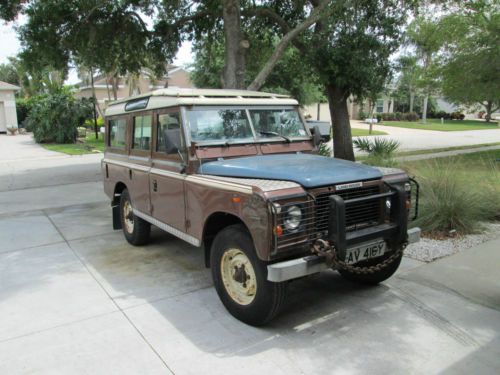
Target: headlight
{"points": [[293, 218], [388, 203], [407, 187]]}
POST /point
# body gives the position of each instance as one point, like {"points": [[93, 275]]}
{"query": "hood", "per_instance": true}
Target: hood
{"points": [[305, 169]]}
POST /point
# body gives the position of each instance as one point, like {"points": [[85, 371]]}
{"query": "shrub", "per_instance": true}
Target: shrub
{"points": [[457, 116], [23, 108], [89, 124], [324, 150], [378, 147], [55, 117], [411, 116], [451, 201], [397, 116]]}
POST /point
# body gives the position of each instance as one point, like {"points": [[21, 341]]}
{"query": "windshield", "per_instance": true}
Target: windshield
{"points": [[219, 125], [214, 125], [269, 122]]}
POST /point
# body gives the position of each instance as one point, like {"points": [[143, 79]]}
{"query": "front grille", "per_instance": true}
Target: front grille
{"points": [[358, 215]]}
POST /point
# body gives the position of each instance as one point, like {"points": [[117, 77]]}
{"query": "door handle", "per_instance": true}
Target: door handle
{"points": [[155, 185]]}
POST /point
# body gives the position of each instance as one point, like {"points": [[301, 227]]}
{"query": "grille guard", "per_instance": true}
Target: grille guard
{"points": [[394, 232]]}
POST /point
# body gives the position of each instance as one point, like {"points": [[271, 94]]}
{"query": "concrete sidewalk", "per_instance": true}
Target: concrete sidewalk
{"points": [[415, 139], [472, 274]]}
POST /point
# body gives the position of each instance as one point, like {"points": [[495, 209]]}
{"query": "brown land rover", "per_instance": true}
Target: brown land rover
{"points": [[236, 173]]}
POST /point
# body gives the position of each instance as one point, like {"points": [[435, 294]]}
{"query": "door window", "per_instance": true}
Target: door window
{"points": [[169, 136], [142, 133]]}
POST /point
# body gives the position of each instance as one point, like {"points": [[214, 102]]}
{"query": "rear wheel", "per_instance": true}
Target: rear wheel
{"points": [[135, 229], [240, 278], [375, 277]]}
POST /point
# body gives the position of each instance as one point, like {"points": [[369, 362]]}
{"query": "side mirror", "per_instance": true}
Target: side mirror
{"points": [[316, 136], [172, 139]]}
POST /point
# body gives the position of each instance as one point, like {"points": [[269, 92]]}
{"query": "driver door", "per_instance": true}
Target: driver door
{"points": [[166, 179]]}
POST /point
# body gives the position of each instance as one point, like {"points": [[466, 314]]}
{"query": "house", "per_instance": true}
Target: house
{"points": [[356, 109], [8, 114], [131, 85]]}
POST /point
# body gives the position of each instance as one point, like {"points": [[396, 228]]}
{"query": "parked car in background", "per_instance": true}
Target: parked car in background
{"points": [[325, 128], [236, 174]]}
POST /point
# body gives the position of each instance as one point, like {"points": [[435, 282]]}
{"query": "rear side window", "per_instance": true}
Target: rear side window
{"points": [[142, 133], [168, 124], [117, 129]]}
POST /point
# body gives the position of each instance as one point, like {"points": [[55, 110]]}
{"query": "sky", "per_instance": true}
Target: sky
{"points": [[10, 46]]}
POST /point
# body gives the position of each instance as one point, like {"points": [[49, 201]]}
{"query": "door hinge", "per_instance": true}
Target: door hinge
{"points": [[188, 224]]}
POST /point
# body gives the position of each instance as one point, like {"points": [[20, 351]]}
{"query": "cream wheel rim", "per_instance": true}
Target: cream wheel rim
{"points": [[238, 276], [128, 217]]}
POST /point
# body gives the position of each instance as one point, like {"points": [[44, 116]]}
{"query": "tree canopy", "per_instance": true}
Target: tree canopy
{"points": [[471, 68]]}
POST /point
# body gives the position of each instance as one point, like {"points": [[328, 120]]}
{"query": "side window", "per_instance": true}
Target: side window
{"points": [[169, 135], [142, 133], [117, 129]]}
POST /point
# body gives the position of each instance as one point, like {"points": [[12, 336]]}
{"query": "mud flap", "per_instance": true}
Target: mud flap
{"points": [[117, 223]]}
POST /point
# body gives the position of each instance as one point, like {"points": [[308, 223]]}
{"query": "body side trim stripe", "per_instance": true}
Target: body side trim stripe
{"points": [[167, 228], [127, 165], [189, 178], [162, 172], [220, 184]]}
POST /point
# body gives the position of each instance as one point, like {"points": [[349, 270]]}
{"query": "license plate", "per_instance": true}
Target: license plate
{"points": [[365, 251]]}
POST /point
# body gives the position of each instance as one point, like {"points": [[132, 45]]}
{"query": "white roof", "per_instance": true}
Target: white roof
{"points": [[170, 97], [8, 86]]}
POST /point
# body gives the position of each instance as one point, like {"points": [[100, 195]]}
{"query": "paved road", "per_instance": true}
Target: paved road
{"points": [[413, 139], [76, 298], [24, 164]]}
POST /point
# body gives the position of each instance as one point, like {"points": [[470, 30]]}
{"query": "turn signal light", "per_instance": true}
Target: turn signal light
{"points": [[278, 230], [408, 204], [236, 199]]}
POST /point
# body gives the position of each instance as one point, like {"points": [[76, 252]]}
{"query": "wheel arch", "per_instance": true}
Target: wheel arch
{"points": [[117, 192], [213, 225]]}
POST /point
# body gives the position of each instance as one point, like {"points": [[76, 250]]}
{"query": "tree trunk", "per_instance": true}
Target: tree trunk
{"points": [[114, 86], [234, 69], [94, 100], [412, 99], [488, 106], [424, 111], [342, 138]]}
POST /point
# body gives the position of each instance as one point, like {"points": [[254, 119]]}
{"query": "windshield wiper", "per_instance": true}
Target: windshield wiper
{"points": [[288, 140]]}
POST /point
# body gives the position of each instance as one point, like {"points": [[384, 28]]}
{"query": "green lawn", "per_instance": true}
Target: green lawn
{"points": [[89, 146], [362, 132], [448, 126]]}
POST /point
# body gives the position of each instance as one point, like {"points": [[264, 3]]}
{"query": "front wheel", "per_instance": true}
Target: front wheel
{"points": [[240, 278], [374, 277]]}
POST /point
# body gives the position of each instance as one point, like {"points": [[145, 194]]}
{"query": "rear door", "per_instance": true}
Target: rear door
{"points": [[166, 175], [140, 158]]}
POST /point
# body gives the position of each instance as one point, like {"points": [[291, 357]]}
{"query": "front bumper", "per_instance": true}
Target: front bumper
{"points": [[295, 268]]}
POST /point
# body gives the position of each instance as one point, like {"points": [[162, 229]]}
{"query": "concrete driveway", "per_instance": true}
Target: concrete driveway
{"points": [[75, 298]]}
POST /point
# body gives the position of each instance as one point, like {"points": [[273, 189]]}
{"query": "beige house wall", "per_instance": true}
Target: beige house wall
{"points": [[177, 77], [8, 114], [353, 107]]}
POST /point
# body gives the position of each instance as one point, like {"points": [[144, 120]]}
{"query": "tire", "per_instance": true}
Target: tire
{"points": [[376, 277], [233, 259], [135, 229]]}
